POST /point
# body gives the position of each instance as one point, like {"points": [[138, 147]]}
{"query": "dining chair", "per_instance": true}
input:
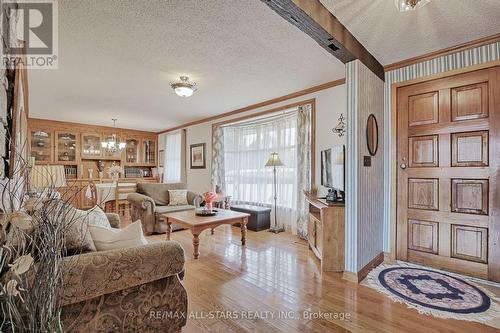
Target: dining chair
{"points": [[122, 189]]}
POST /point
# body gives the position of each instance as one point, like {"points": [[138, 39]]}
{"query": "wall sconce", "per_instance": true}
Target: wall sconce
{"points": [[340, 128]]}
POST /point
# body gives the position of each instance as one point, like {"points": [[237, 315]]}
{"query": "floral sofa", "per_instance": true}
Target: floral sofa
{"points": [[135, 289]]}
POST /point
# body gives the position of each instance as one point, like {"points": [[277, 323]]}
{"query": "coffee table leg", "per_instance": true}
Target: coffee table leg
{"points": [[196, 243], [212, 231], [169, 228], [244, 230]]}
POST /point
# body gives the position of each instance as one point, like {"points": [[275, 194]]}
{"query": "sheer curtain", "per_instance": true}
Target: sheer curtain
{"points": [[247, 147], [173, 158]]}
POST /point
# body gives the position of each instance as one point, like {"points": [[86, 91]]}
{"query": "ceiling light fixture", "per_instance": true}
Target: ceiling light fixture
{"points": [[406, 5], [184, 88], [113, 144]]}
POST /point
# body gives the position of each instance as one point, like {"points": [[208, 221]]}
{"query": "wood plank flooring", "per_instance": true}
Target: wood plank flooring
{"points": [[276, 278]]}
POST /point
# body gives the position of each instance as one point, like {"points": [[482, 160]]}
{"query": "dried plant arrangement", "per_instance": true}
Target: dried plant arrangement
{"points": [[33, 231]]}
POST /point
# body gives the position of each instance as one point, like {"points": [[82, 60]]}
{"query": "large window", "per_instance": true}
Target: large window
{"points": [[247, 147], [173, 158]]}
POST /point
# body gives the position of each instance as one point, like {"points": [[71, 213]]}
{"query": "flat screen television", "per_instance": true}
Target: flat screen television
{"points": [[333, 170]]}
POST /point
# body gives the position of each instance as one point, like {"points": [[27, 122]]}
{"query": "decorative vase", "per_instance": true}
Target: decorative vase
{"points": [[209, 205]]}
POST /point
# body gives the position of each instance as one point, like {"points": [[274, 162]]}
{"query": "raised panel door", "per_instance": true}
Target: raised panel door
{"points": [[448, 158]]}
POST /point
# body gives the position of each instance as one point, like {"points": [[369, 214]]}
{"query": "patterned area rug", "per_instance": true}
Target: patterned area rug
{"points": [[438, 293]]}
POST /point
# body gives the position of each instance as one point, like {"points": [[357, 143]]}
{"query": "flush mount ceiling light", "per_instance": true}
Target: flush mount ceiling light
{"points": [[184, 88], [406, 5]]}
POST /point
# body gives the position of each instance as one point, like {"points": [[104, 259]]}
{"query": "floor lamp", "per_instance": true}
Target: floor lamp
{"points": [[274, 161]]}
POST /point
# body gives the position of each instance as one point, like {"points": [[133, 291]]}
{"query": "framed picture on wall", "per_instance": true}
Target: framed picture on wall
{"points": [[197, 156]]}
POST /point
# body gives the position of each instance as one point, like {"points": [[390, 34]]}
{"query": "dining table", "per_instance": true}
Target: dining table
{"points": [[106, 192]]}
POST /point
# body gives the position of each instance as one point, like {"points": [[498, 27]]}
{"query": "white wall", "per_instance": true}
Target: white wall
{"points": [[330, 103]]}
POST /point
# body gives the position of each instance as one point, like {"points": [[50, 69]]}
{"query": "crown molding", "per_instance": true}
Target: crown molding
{"points": [[449, 50], [296, 94]]}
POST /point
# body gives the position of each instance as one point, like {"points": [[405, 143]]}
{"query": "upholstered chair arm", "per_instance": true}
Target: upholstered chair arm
{"points": [[94, 274], [143, 208], [191, 196], [114, 220], [141, 201]]}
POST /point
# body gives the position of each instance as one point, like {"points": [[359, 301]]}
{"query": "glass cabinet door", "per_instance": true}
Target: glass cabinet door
{"points": [[66, 147], [41, 145], [132, 151], [149, 151], [91, 145]]}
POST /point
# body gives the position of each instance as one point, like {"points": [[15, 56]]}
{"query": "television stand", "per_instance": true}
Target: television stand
{"points": [[326, 232]]}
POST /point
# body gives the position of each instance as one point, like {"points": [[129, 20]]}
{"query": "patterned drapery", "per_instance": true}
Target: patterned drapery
{"points": [[304, 158], [217, 174]]}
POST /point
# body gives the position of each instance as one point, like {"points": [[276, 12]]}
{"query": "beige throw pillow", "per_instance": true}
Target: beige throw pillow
{"points": [[111, 239], [177, 197], [78, 238], [96, 216]]}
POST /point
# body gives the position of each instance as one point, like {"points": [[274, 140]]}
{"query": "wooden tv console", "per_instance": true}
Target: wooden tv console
{"points": [[326, 233]]}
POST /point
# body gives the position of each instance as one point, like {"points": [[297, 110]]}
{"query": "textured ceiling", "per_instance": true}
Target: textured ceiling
{"points": [[392, 36], [117, 58]]}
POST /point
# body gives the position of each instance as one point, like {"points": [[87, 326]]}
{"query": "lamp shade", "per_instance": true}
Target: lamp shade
{"points": [[43, 176], [274, 160]]}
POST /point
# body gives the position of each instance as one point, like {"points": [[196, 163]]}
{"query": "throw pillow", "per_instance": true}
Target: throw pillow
{"points": [[111, 239], [78, 238], [96, 216], [177, 197]]}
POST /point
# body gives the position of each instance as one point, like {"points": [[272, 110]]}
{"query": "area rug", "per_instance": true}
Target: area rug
{"points": [[438, 293]]}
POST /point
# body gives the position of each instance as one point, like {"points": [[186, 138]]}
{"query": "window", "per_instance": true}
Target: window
{"points": [[173, 158], [247, 148]]}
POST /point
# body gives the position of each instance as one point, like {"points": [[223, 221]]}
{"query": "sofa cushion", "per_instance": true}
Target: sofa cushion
{"points": [[177, 197], [158, 192], [97, 216], [111, 239], [171, 209]]}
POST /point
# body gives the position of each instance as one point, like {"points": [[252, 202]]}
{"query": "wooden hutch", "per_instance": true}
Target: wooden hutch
{"points": [[78, 148], [326, 233]]}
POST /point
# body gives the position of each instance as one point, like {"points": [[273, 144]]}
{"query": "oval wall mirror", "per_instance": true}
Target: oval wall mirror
{"points": [[372, 135]]}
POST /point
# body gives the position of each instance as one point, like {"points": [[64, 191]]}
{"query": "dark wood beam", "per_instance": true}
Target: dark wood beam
{"points": [[315, 20]]}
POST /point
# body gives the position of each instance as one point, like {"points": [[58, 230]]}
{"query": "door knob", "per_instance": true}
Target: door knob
{"points": [[403, 166]]}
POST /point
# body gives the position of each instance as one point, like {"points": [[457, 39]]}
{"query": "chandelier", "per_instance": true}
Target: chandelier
{"points": [[184, 88], [113, 144], [406, 5]]}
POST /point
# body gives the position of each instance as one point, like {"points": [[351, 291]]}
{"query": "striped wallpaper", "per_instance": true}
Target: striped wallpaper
{"points": [[442, 64], [364, 204], [351, 206]]}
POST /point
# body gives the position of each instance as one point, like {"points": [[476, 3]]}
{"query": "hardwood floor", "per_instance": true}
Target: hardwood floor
{"points": [[276, 274]]}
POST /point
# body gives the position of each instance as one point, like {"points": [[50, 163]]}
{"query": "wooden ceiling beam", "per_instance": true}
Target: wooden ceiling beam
{"points": [[315, 20]]}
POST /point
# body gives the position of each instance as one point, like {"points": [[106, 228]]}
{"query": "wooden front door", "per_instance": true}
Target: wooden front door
{"points": [[448, 183]]}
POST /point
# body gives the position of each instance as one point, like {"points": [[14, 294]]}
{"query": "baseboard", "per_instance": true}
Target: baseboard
{"points": [[350, 276], [363, 272]]}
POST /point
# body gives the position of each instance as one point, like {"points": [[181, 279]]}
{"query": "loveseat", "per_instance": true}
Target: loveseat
{"points": [[135, 289], [152, 200]]}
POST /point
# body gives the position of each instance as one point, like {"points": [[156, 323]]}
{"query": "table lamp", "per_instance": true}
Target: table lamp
{"points": [[45, 177]]}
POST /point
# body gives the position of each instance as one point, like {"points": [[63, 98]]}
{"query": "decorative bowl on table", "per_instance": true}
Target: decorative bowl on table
{"points": [[204, 211]]}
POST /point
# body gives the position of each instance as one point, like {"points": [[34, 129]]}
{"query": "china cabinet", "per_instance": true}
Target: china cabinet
{"points": [[66, 147], [41, 146], [132, 151], [149, 151], [91, 145]]}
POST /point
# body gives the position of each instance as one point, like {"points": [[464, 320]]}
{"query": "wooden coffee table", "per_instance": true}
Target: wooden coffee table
{"points": [[197, 224]]}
